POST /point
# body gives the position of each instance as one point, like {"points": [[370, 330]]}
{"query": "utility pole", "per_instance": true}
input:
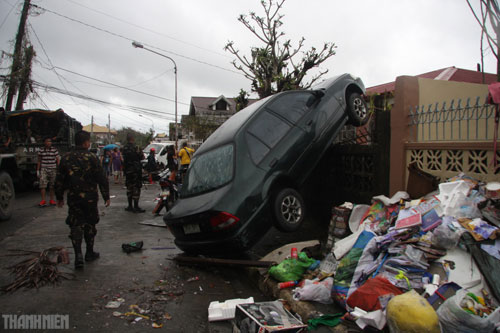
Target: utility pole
{"points": [[24, 78], [18, 57], [109, 128], [92, 127]]}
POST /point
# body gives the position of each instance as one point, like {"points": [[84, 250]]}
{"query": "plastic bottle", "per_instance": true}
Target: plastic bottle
{"points": [[329, 265], [287, 284], [294, 253]]}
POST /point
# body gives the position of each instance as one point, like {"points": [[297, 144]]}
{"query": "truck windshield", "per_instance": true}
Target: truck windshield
{"points": [[209, 171]]}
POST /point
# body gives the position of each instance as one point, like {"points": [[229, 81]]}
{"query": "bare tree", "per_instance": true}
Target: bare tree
{"points": [[274, 67], [488, 19]]}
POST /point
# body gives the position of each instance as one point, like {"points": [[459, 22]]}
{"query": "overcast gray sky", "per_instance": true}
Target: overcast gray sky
{"points": [[376, 40]]}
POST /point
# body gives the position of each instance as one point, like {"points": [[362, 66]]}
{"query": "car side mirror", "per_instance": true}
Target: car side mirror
{"points": [[316, 95]]}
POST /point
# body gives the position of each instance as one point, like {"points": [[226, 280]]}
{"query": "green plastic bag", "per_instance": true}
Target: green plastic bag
{"points": [[291, 269]]}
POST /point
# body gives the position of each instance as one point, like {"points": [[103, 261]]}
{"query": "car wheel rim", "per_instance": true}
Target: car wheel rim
{"points": [[359, 108], [291, 209], [5, 196]]}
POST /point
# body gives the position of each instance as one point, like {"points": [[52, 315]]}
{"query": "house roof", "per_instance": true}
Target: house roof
{"points": [[446, 74], [204, 104], [99, 129]]}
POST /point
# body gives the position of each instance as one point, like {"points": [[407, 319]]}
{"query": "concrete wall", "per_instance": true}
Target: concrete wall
{"points": [[432, 91], [445, 148]]}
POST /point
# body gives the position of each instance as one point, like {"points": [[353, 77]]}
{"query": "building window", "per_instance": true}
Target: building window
{"points": [[221, 105]]}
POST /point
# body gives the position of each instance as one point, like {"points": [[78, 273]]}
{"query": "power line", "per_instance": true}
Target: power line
{"points": [[131, 40], [148, 30], [48, 59], [118, 86], [10, 11]]}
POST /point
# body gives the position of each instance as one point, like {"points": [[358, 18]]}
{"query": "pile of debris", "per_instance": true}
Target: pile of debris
{"points": [[39, 270], [429, 264]]}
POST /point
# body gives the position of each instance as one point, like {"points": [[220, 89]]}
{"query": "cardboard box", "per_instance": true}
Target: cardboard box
{"points": [[265, 317]]}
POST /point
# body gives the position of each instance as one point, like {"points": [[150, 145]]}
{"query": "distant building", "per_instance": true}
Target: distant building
{"points": [[161, 137], [101, 133], [206, 114]]}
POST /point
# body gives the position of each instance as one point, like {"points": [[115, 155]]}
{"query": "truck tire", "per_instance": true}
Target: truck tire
{"points": [[7, 196]]}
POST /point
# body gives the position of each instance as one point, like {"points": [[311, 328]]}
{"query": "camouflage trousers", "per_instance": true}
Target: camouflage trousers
{"points": [[133, 182], [82, 218]]}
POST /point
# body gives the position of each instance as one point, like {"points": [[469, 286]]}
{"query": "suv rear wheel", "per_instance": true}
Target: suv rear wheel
{"points": [[7, 196], [357, 109], [289, 210]]}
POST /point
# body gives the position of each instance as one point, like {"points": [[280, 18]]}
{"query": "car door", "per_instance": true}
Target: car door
{"points": [[277, 134]]}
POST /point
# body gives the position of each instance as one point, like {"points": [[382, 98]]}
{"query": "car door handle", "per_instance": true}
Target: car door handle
{"points": [[273, 162]]}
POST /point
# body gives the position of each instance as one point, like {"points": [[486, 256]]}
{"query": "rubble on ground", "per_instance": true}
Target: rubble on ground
{"points": [[443, 248]]}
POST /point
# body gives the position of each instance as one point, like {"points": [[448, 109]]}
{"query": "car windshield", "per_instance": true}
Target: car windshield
{"points": [[156, 146], [209, 171]]}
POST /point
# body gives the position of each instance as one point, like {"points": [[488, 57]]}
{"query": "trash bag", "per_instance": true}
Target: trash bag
{"points": [[410, 313], [347, 267], [446, 236], [367, 296], [132, 246], [454, 319], [318, 291], [291, 269]]}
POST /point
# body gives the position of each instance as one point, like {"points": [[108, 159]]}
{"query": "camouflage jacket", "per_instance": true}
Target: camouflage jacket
{"points": [[132, 157], [80, 172]]}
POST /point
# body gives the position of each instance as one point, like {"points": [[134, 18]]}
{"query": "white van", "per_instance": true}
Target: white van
{"points": [[160, 150]]}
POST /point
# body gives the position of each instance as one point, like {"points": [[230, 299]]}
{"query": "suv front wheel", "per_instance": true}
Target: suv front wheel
{"points": [[357, 110], [289, 210]]}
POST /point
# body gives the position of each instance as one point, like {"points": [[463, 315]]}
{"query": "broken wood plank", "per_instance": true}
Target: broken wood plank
{"points": [[223, 262]]}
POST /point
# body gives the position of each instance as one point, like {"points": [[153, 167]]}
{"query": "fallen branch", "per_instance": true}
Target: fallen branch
{"points": [[39, 270]]}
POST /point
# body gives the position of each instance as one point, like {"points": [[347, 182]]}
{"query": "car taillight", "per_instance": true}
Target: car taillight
{"points": [[223, 220]]}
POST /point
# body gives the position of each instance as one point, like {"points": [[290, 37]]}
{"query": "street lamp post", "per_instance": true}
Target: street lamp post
{"points": [[139, 45], [151, 120]]}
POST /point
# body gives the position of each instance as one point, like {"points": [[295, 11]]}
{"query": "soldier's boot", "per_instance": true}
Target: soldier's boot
{"points": [[77, 246], [129, 208], [138, 209], [90, 254]]}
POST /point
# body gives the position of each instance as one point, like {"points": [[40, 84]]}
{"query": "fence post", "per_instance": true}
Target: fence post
{"points": [[406, 96]]}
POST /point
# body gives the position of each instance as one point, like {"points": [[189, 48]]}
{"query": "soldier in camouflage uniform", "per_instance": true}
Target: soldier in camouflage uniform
{"points": [[132, 157], [80, 172]]}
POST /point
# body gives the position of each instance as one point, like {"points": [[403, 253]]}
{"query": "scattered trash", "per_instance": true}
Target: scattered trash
{"points": [[318, 291], [132, 247], [194, 278], [266, 317], [167, 316], [410, 312], [291, 269], [39, 270], [155, 325], [117, 314], [444, 244], [225, 310], [115, 304]]}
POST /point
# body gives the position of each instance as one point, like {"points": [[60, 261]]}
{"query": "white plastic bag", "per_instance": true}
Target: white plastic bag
{"points": [[318, 291], [454, 319]]}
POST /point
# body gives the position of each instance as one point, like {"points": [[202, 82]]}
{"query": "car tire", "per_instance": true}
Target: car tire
{"points": [[357, 110], [289, 210], [7, 196]]}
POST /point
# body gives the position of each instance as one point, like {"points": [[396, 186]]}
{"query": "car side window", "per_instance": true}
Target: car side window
{"points": [[292, 106], [264, 133]]}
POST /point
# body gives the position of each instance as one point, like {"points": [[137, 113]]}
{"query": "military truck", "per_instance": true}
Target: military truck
{"points": [[8, 171], [29, 128]]}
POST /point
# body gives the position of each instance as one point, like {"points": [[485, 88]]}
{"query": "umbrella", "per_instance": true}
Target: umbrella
{"points": [[110, 146]]}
